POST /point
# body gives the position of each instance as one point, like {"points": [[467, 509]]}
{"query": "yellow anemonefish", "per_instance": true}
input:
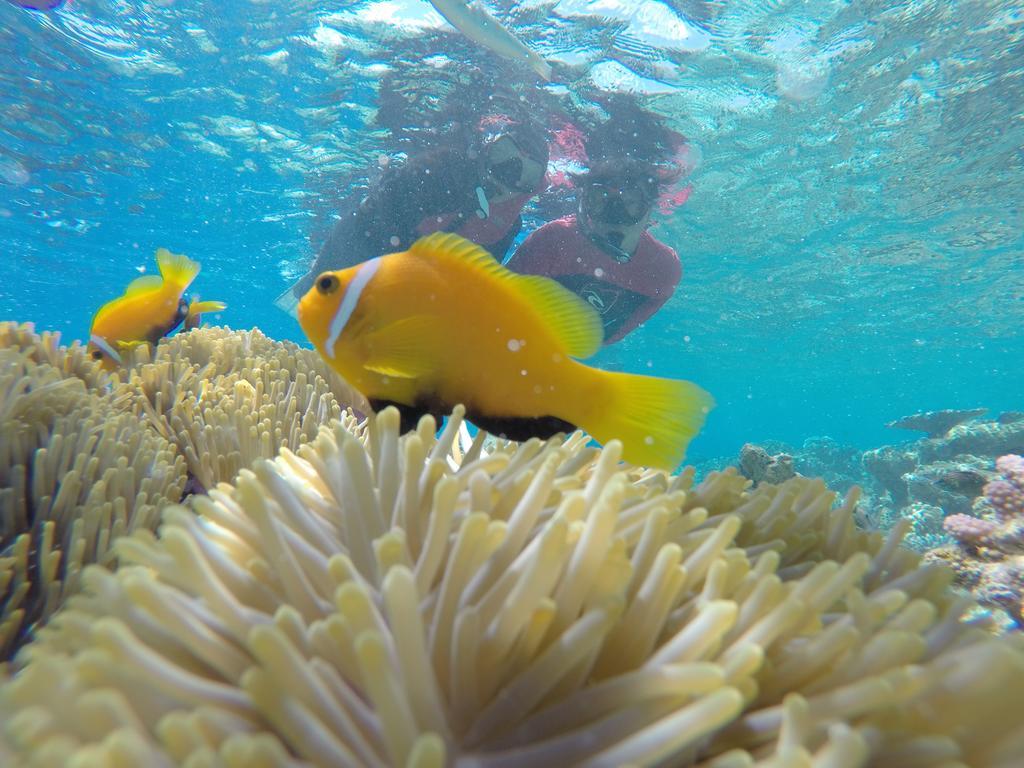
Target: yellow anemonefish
{"points": [[444, 323], [152, 307]]}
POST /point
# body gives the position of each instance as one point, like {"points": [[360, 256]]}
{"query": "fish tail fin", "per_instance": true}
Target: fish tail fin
{"points": [[653, 418], [176, 269], [198, 308]]}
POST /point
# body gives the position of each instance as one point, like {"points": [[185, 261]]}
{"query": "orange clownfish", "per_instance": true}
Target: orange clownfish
{"points": [[152, 307], [444, 323]]}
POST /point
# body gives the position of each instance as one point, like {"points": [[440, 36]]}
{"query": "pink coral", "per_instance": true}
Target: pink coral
{"points": [[988, 556], [1006, 495], [1011, 466], [969, 530]]}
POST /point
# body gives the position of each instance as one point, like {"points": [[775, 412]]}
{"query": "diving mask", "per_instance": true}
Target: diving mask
{"points": [[509, 166], [622, 206]]}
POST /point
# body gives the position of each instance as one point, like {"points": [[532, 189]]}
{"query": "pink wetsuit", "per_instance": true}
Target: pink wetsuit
{"points": [[624, 294]]}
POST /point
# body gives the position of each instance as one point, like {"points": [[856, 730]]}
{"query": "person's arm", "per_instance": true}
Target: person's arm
{"points": [[500, 248], [536, 254], [667, 282], [639, 316]]}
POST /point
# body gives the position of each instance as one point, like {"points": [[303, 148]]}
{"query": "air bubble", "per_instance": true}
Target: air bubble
{"points": [[394, 240], [648, 440], [513, 345]]}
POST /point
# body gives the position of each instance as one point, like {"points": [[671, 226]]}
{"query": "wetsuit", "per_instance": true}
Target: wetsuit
{"points": [[433, 191], [625, 294]]}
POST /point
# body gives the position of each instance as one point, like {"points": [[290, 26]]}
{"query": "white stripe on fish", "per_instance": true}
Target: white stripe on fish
{"points": [[349, 302], [473, 20], [104, 345]]}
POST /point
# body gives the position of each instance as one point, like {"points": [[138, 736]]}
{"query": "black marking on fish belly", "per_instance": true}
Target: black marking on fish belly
{"points": [[518, 428], [521, 428], [189, 323], [158, 332], [155, 334], [410, 414]]}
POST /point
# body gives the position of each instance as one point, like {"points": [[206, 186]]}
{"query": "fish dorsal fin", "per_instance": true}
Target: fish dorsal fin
{"points": [[176, 269], [575, 323], [144, 284]]}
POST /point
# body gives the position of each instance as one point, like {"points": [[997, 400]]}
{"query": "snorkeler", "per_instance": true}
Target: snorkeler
{"points": [[604, 252], [478, 193]]}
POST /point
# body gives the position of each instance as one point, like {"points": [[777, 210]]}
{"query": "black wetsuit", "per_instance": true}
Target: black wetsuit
{"points": [[438, 184]]}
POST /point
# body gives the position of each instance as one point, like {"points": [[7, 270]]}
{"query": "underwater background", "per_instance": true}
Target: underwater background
{"points": [[851, 248], [208, 556]]}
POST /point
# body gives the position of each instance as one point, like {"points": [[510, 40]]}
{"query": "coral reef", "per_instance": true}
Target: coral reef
{"points": [[757, 465], [938, 486], [937, 423], [376, 599], [988, 553], [930, 478], [838, 465], [977, 438], [88, 456], [950, 485]]}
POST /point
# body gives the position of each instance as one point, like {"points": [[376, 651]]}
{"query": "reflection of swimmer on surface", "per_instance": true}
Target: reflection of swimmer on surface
{"points": [[476, 23], [477, 192], [604, 253]]}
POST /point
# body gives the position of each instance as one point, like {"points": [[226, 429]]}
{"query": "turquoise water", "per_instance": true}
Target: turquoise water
{"points": [[852, 247]]}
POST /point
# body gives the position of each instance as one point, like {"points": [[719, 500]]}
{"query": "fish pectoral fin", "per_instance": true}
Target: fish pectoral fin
{"points": [[395, 371], [130, 344], [404, 349], [144, 284], [199, 307]]}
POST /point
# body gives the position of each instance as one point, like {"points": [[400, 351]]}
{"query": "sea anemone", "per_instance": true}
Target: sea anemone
{"points": [[226, 398], [87, 455], [74, 475], [373, 599], [71, 362]]}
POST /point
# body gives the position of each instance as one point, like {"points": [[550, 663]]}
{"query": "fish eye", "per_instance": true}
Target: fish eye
{"points": [[327, 284], [97, 355]]}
